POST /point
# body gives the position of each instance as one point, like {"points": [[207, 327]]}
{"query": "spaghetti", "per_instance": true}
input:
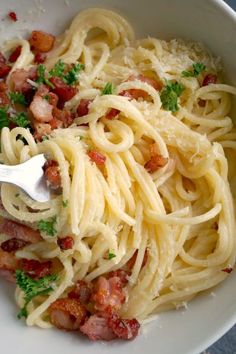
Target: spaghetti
{"points": [[158, 204]]}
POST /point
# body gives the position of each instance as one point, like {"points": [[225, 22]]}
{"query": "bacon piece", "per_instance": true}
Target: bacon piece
{"points": [[96, 328], [15, 54], [19, 79], [8, 261], [108, 294], [36, 269], [52, 174], [41, 109], [13, 245], [126, 93], [41, 41], [124, 328], [227, 270], [112, 113], [12, 15], [97, 157], [63, 91], [41, 130], [150, 81], [63, 116], [66, 243], [40, 58], [121, 274], [157, 161], [209, 79], [8, 265], [19, 231], [2, 59], [12, 125], [4, 70], [4, 99], [56, 123], [83, 107], [53, 99], [67, 314], [42, 91], [137, 93], [81, 291], [131, 262]]}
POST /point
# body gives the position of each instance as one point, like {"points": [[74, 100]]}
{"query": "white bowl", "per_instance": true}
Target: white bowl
{"points": [[208, 317]]}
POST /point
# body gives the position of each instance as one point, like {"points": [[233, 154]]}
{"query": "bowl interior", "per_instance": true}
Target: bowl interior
{"points": [[208, 317]]}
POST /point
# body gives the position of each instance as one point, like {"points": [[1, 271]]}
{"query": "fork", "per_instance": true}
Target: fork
{"points": [[29, 177]]}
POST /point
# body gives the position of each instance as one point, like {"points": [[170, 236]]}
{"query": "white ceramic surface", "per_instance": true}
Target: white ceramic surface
{"points": [[208, 317]]}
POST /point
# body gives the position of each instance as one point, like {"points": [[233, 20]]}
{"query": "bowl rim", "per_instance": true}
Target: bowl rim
{"points": [[227, 325], [225, 7]]}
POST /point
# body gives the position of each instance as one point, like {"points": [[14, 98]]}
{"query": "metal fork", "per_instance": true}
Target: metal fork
{"points": [[29, 177]]}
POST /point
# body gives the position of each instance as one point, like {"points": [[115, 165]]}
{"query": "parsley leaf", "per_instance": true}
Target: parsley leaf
{"points": [[111, 256], [4, 119], [58, 69], [65, 203], [48, 226], [41, 69], [33, 288], [71, 77], [23, 312], [108, 89], [169, 96], [197, 69], [21, 120], [41, 72], [73, 74], [17, 97]]}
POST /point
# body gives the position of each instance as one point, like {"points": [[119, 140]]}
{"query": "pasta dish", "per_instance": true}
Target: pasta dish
{"points": [[140, 150]]}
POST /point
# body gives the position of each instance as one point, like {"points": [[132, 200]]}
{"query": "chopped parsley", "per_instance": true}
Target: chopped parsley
{"points": [[17, 97], [48, 226], [169, 96], [46, 97], [21, 120], [45, 137], [197, 69], [32, 288], [65, 203], [72, 76], [4, 119], [17, 195], [58, 69], [41, 71], [111, 256], [108, 89]]}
